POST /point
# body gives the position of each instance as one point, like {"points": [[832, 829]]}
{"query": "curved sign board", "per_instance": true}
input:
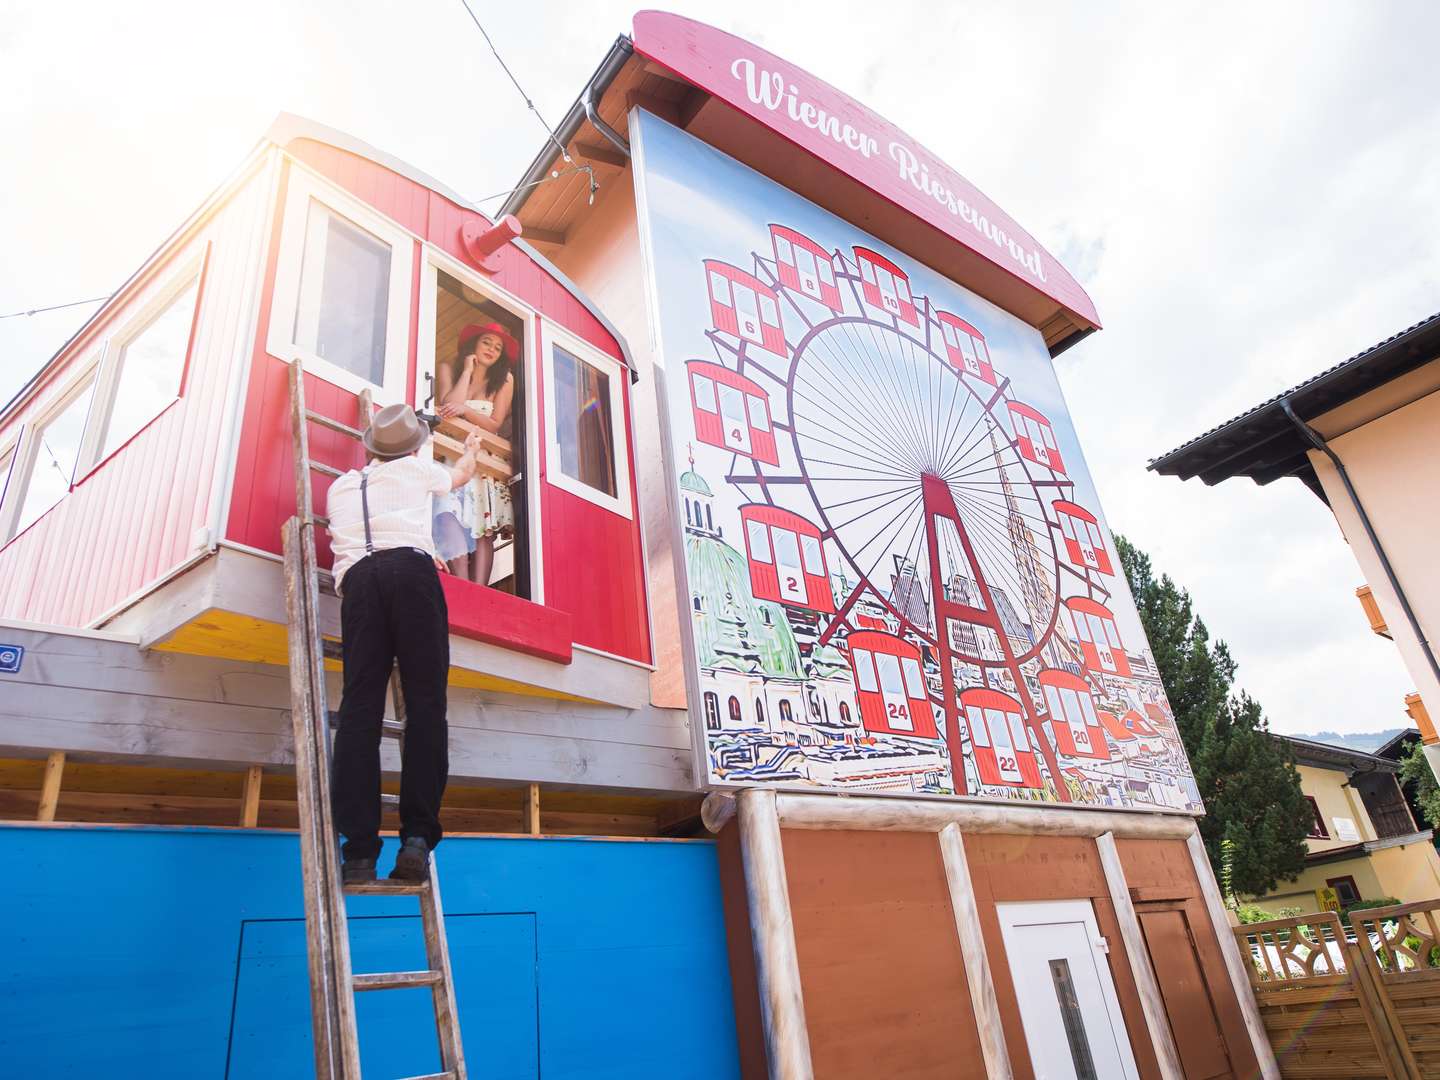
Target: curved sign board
{"points": [[848, 136]]}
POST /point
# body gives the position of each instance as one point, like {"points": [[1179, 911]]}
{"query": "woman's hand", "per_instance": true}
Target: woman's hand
{"points": [[447, 412]]}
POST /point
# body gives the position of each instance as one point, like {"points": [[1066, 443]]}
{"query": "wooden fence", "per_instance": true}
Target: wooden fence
{"points": [[1350, 1002]]}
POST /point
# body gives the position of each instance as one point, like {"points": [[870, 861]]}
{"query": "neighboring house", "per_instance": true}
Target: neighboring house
{"points": [[1364, 843], [1363, 436], [1396, 750]]}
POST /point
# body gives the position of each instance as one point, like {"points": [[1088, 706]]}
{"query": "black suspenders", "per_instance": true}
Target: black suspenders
{"points": [[365, 510]]}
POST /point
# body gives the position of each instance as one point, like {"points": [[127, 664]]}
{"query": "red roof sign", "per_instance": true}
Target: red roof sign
{"points": [[845, 134]]}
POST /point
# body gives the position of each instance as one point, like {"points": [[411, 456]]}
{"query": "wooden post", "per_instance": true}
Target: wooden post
{"points": [[1235, 964], [1151, 1003], [972, 948], [50, 786], [250, 798], [532, 810], [777, 964]]}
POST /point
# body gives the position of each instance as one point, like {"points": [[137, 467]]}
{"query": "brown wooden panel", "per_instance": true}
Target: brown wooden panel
{"points": [[880, 964], [1193, 1020]]}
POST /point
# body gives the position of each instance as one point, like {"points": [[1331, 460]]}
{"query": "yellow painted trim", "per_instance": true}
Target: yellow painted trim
{"points": [[232, 636]]}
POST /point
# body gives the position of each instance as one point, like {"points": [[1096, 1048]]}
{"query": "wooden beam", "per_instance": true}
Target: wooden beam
{"points": [[1152, 1005], [777, 963], [544, 236], [797, 811], [604, 153], [50, 786], [532, 810], [250, 799], [1237, 965], [666, 110], [966, 910]]}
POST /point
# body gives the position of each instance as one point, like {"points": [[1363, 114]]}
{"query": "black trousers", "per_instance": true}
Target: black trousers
{"points": [[392, 610]]}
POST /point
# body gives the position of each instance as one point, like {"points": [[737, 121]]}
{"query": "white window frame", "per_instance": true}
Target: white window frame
{"points": [[616, 372], [9, 458], [26, 447], [285, 302], [111, 366]]}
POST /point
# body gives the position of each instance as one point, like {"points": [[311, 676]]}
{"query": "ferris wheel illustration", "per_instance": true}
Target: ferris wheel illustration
{"points": [[883, 424]]}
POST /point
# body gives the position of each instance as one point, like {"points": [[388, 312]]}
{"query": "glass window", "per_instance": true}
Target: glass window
{"points": [[810, 548], [867, 271], [759, 536], [787, 551], [583, 422], [769, 313], [720, 287], [948, 333], [1017, 731], [733, 706], [827, 275], [1067, 526], [732, 407], [149, 370], [787, 714], [902, 288], [982, 350], [1111, 634], [1070, 706], [1052, 705], [805, 261], [53, 456], [1073, 1020], [705, 393], [1082, 625], [759, 711], [344, 294], [975, 721], [999, 729], [783, 251], [865, 671], [759, 416], [914, 681], [889, 666]]}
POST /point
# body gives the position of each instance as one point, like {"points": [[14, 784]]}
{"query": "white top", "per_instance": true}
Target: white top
{"points": [[399, 494]]}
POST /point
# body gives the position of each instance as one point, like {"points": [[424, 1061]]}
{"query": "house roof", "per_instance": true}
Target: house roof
{"points": [[1264, 445], [1394, 748], [1328, 756]]}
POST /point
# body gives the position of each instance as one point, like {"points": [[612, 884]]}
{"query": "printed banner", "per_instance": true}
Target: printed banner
{"points": [[897, 573]]}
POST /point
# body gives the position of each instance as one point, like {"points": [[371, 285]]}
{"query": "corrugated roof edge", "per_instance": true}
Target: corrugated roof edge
{"points": [[1358, 360]]}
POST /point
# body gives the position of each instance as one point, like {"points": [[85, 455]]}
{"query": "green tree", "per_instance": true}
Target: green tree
{"points": [[1247, 779], [1419, 778]]}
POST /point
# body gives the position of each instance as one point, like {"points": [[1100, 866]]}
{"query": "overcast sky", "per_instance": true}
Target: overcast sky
{"points": [[1250, 193]]}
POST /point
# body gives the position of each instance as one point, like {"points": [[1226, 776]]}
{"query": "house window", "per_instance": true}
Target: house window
{"points": [[1346, 891], [1317, 824], [342, 290], [712, 711], [45, 462], [585, 423], [733, 706], [787, 714], [759, 711]]}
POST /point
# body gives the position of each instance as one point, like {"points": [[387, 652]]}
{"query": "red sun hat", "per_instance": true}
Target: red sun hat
{"points": [[509, 345]]}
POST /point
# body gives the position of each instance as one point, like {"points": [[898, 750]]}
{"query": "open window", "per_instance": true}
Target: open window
{"points": [[342, 290], [586, 450], [43, 463]]}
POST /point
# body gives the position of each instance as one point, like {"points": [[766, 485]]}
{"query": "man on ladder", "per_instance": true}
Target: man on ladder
{"points": [[392, 610]]}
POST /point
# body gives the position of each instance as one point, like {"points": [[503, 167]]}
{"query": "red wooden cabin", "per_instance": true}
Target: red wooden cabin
{"points": [[1035, 436], [1003, 754], [804, 265], [787, 559], [965, 346], [1099, 639], [886, 286], [1084, 546], [1074, 724], [743, 305], [731, 411], [890, 684]]}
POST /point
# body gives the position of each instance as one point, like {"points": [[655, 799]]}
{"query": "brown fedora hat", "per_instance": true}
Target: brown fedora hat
{"points": [[394, 432]]}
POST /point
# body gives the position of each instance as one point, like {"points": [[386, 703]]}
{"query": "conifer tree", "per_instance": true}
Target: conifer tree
{"points": [[1247, 779]]}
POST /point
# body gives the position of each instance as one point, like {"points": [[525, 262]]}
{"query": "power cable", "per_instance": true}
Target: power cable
{"points": [[53, 307]]}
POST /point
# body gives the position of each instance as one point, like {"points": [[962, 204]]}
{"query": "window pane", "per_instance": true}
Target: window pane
{"points": [[759, 420], [1017, 732], [759, 537], [805, 261], [999, 729], [865, 671], [54, 458], [582, 422], [350, 298], [826, 274], [914, 682], [889, 666], [705, 393], [979, 733], [787, 551], [783, 251], [810, 548], [1074, 1022], [720, 287], [150, 368]]}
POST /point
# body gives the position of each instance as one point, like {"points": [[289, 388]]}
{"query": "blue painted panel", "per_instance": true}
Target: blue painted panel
{"points": [[145, 951]]}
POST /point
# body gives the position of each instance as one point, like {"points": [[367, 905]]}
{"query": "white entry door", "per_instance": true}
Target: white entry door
{"points": [[1073, 1025]]}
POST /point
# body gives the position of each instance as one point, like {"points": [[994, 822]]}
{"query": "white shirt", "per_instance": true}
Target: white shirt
{"points": [[399, 494]]}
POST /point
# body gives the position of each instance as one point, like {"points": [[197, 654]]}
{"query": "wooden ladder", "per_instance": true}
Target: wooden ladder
{"points": [[332, 983]]}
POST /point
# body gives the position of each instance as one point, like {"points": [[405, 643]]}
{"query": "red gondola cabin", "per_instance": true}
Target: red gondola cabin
{"points": [[890, 685], [1035, 437], [787, 561], [1074, 724], [1003, 754], [886, 286], [731, 411], [743, 305], [803, 265], [1099, 640], [966, 347], [1084, 546]]}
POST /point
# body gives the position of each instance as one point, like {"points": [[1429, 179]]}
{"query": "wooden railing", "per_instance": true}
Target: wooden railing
{"points": [[496, 456]]}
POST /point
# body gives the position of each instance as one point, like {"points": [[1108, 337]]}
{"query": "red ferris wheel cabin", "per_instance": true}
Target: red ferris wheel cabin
{"points": [[891, 685], [804, 265], [743, 305], [731, 411], [787, 560], [1074, 724], [1099, 639], [886, 286], [1003, 754], [1084, 546], [966, 347], [1035, 436]]}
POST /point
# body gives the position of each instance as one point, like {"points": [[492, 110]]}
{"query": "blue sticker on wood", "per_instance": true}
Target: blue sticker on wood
{"points": [[11, 657]]}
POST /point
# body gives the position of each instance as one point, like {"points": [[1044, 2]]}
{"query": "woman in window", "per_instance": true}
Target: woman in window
{"points": [[477, 386]]}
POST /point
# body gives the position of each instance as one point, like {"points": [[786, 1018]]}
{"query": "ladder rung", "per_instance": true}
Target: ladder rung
{"points": [[396, 980], [327, 470], [333, 425], [448, 1074], [387, 887], [386, 799], [321, 520], [389, 729]]}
